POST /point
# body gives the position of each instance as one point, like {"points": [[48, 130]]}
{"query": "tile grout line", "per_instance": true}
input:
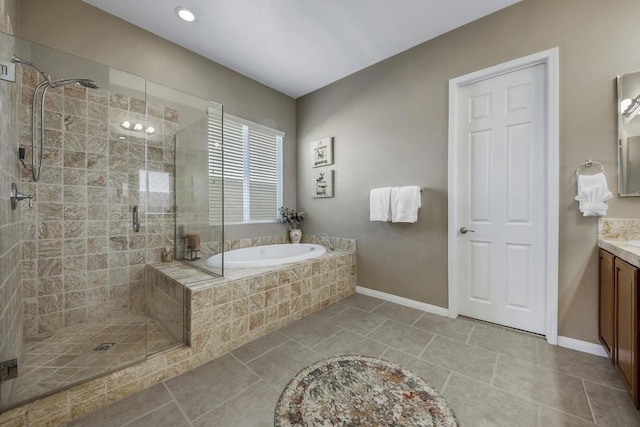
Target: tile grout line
{"points": [[262, 354], [130, 422], [520, 396], [562, 412], [417, 320], [381, 323], [326, 339], [473, 328], [495, 369], [584, 388], [260, 379], [426, 346], [446, 382]]}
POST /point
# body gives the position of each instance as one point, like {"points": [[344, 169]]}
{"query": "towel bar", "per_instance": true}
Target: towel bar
{"points": [[588, 164]]}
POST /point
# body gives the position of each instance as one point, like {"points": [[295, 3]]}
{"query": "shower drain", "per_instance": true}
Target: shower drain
{"points": [[104, 346]]}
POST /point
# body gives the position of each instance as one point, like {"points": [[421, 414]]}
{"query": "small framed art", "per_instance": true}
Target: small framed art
{"points": [[322, 184], [322, 152]]}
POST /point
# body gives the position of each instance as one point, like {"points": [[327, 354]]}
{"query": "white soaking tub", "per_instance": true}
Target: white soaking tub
{"points": [[263, 256]]}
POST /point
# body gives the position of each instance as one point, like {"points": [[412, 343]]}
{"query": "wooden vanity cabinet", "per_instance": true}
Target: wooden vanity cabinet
{"points": [[618, 325], [606, 328], [626, 326]]}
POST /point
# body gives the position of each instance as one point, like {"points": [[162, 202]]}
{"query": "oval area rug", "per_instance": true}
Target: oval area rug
{"points": [[360, 391]]}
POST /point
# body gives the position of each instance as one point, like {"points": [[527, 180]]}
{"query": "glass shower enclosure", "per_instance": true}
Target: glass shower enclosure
{"points": [[75, 303]]}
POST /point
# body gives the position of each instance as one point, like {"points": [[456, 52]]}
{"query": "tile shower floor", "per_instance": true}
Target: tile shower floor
{"points": [[69, 355], [491, 376]]}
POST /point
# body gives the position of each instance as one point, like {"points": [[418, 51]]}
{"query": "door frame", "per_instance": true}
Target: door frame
{"points": [[550, 59]]}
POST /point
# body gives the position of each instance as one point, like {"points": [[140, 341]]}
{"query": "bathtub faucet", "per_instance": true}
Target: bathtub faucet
{"points": [[324, 237]]}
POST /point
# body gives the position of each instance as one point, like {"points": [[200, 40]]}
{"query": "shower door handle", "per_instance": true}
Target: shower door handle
{"points": [[136, 219]]}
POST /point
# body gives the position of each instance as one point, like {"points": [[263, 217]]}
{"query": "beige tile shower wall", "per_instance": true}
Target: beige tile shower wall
{"points": [[10, 228], [160, 202], [165, 302], [82, 260]]}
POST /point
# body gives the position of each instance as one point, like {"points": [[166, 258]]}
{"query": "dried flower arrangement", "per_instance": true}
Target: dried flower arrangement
{"points": [[292, 217]]}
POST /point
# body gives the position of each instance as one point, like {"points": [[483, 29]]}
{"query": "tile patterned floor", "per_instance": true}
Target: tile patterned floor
{"points": [[491, 376], [68, 356]]}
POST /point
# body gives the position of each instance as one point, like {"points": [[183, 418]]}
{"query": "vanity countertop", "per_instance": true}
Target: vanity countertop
{"points": [[621, 249]]}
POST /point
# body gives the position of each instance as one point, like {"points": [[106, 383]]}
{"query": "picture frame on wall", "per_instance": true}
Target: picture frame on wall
{"points": [[322, 184], [322, 152]]}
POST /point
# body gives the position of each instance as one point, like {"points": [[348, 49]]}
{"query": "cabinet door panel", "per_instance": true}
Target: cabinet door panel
{"points": [[607, 303], [626, 326]]}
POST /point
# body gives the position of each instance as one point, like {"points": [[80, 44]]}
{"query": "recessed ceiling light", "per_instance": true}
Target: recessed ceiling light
{"points": [[185, 14], [138, 126]]}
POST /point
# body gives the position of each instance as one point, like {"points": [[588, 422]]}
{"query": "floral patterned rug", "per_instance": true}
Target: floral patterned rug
{"points": [[360, 391]]}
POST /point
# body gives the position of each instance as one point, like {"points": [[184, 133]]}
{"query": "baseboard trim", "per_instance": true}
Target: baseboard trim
{"points": [[403, 301], [583, 346], [566, 342]]}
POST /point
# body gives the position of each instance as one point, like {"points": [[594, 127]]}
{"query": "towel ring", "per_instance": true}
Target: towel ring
{"points": [[588, 164]]}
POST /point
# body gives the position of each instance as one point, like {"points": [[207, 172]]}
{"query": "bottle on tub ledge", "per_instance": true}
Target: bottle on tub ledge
{"points": [[167, 254], [191, 247]]}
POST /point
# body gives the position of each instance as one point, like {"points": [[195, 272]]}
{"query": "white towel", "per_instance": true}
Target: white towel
{"points": [[380, 204], [593, 193], [405, 202]]}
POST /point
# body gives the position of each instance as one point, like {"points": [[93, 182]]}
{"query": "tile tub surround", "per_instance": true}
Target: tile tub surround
{"points": [[250, 302], [81, 259], [164, 301], [285, 293]]}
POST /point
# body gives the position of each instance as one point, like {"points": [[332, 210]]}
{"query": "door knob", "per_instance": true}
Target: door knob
{"points": [[465, 230]]}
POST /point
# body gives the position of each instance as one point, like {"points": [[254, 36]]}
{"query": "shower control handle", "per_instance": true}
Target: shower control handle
{"points": [[17, 196], [136, 219]]}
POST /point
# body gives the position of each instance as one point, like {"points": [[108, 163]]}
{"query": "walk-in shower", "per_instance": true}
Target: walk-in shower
{"points": [[40, 97], [76, 300]]}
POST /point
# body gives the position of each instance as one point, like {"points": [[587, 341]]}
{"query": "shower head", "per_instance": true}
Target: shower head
{"points": [[17, 60], [82, 82]]}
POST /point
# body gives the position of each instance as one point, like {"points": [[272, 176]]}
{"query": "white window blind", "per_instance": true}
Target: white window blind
{"points": [[245, 158]]}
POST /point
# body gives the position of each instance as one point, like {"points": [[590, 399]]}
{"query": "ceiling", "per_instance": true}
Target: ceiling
{"points": [[298, 46]]}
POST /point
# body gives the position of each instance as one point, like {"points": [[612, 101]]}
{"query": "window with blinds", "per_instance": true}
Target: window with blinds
{"points": [[246, 159]]}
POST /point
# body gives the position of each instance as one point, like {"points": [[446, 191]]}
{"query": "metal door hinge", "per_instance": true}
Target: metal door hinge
{"points": [[8, 370], [7, 71]]}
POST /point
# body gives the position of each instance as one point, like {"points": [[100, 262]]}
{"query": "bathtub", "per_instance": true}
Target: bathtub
{"points": [[262, 256]]}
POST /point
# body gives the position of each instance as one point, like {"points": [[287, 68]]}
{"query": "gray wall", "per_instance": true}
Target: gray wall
{"points": [[83, 30], [389, 124]]}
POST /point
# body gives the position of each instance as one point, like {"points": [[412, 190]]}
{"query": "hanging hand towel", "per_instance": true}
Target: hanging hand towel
{"points": [[405, 202], [379, 204], [593, 193]]}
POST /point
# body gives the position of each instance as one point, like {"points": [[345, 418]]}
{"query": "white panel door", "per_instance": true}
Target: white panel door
{"points": [[501, 199]]}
